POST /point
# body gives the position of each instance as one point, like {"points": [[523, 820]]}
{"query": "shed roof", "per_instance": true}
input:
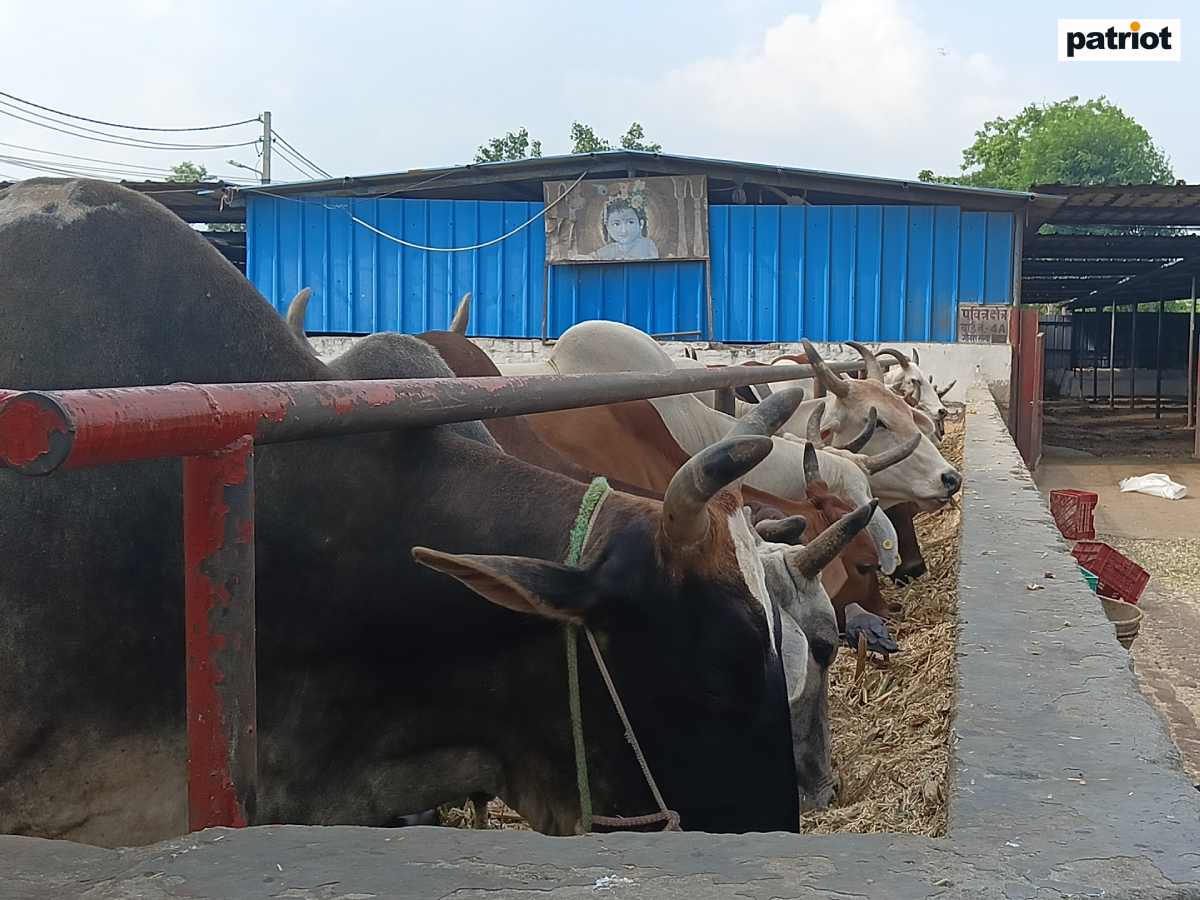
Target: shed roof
{"points": [[1093, 270], [1125, 204], [522, 180]]}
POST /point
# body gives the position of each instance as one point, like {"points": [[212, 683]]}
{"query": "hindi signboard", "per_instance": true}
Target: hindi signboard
{"points": [[982, 324]]}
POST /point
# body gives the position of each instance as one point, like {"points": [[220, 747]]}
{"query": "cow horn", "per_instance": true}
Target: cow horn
{"points": [[874, 369], [916, 356], [833, 383], [811, 559], [462, 315], [770, 415], [942, 393], [881, 461], [865, 435], [296, 312], [812, 464], [813, 432], [904, 361], [685, 519]]}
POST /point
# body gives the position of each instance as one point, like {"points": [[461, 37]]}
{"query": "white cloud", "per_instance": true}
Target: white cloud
{"points": [[860, 80]]}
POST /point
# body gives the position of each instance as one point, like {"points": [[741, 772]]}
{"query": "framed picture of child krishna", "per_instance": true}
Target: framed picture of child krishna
{"points": [[631, 220]]}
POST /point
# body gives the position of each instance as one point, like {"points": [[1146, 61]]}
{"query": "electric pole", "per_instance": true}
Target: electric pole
{"points": [[266, 148]]}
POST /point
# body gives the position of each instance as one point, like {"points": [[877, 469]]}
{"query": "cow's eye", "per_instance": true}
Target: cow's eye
{"points": [[881, 424]]}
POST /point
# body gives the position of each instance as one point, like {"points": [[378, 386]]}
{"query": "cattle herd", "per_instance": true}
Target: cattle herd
{"points": [[412, 589]]}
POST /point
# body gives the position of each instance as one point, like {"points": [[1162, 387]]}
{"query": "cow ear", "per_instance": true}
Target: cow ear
{"points": [[531, 586]]}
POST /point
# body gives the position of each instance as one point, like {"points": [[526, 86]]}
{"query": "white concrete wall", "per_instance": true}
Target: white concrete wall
{"points": [[966, 363]]}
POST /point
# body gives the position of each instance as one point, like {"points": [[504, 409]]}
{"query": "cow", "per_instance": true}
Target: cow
{"points": [[410, 585], [918, 391], [809, 623], [603, 346], [916, 387]]}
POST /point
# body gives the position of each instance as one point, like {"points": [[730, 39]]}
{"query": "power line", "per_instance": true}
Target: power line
{"points": [[285, 143], [129, 172], [77, 168], [84, 158], [120, 140], [307, 176], [287, 158], [68, 115], [110, 162]]}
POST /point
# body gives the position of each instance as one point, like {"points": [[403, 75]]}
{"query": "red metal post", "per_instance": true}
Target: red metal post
{"points": [[218, 534], [1035, 402]]}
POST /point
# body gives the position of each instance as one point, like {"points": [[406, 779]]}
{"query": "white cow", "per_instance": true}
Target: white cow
{"points": [[916, 387]]}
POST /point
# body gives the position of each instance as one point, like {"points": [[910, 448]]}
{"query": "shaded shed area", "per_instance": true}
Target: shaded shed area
{"points": [[1122, 266]]}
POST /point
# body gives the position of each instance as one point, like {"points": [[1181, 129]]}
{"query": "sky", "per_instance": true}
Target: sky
{"points": [[877, 87]]}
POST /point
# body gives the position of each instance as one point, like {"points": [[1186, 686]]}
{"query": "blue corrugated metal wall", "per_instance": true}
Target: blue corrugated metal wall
{"points": [[833, 273], [778, 272]]}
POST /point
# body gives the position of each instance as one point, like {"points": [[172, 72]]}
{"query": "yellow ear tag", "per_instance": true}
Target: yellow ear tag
{"points": [[887, 545]]}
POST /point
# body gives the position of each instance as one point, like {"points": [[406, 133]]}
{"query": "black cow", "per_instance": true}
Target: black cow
{"points": [[385, 687]]}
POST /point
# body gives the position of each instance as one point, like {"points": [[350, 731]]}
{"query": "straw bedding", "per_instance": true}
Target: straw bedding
{"points": [[891, 719]]}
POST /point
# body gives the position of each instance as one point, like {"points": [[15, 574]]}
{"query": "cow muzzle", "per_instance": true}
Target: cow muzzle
{"points": [[952, 481]]}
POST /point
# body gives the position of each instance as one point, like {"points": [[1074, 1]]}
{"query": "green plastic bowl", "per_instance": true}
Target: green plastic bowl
{"points": [[1092, 580]]}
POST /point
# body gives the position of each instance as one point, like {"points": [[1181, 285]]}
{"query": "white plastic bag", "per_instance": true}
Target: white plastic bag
{"points": [[1156, 485]]}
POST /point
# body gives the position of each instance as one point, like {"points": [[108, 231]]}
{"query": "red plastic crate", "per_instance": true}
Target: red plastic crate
{"points": [[1120, 578], [1072, 511]]}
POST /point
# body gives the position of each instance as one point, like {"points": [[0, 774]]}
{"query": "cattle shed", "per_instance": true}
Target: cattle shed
{"points": [[1117, 257], [794, 253]]}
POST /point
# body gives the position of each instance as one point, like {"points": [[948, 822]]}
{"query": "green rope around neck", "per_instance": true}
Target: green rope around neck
{"points": [[595, 493]]}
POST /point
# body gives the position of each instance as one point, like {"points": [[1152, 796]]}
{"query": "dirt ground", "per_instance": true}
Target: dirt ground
{"points": [[1093, 448], [1101, 431]]}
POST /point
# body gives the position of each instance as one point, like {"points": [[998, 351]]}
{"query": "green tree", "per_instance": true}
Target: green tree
{"points": [[1067, 142], [517, 144], [513, 145], [189, 171], [585, 140], [634, 139]]}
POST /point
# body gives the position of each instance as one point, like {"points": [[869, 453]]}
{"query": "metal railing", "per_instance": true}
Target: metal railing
{"points": [[214, 428]]}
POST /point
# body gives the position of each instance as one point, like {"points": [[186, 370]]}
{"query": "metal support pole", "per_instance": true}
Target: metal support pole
{"points": [[1112, 351], [1158, 363], [1133, 358], [1095, 360], [1191, 419], [268, 134], [218, 541]]}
